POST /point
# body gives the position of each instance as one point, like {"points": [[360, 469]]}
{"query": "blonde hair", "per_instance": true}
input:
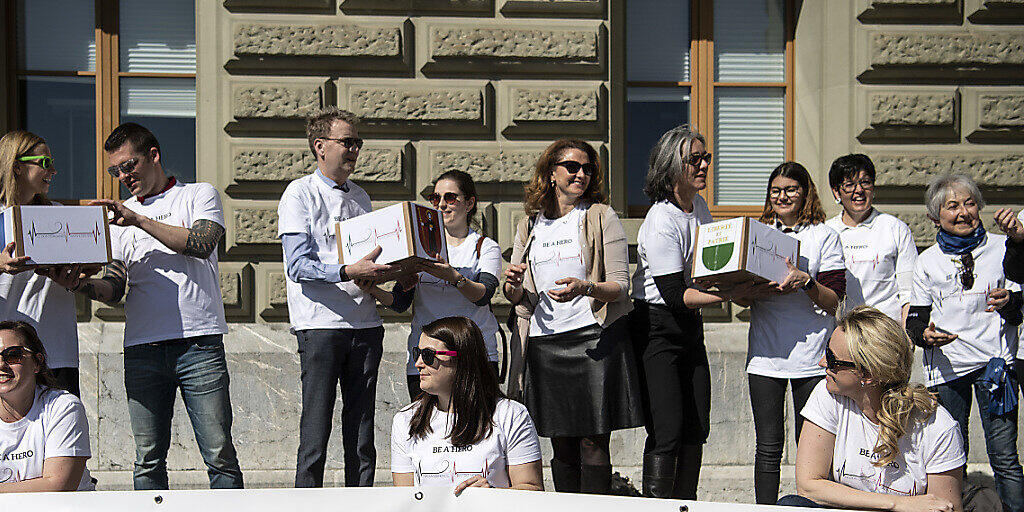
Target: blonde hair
{"points": [[12, 146], [882, 351]]}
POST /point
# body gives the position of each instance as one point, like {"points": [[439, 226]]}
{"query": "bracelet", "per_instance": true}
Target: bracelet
{"points": [[810, 284], [460, 283], [589, 288]]}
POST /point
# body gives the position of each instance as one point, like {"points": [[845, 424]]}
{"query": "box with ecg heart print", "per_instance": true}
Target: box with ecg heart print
{"points": [[406, 233], [741, 249], [55, 235]]}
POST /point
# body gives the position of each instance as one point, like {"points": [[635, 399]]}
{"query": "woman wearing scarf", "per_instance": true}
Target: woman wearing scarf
{"points": [[965, 313]]}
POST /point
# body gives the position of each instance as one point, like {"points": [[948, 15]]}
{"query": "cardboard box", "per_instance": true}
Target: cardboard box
{"points": [[741, 249], [54, 235], [406, 233]]}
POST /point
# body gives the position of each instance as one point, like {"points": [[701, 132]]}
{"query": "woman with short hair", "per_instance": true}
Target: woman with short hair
{"points": [[44, 434], [878, 248], [462, 431], [965, 314], [569, 280], [40, 297], [873, 440], [790, 323]]}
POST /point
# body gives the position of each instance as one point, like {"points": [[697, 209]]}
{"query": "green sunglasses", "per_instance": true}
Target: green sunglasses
{"points": [[46, 162]]}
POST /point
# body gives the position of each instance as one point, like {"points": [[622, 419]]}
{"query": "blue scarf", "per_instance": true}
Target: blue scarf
{"points": [[999, 380], [955, 244]]}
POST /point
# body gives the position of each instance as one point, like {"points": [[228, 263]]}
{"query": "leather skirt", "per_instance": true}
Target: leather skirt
{"points": [[583, 382]]}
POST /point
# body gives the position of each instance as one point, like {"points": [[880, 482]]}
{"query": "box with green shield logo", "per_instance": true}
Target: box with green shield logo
{"points": [[741, 249]]}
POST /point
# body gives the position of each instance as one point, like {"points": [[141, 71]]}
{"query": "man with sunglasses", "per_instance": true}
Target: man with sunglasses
{"points": [[340, 336], [163, 242]]}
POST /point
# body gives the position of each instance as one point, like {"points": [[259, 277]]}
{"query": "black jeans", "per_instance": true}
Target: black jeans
{"points": [[767, 399], [328, 357], [675, 377]]}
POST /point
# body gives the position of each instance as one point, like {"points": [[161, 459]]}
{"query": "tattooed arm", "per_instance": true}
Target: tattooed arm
{"points": [[202, 238], [109, 288]]}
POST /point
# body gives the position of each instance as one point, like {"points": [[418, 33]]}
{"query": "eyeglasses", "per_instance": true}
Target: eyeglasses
{"points": [[850, 186], [15, 354], [429, 355], [835, 364], [574, 167], [696, 158], [46, 162], [790, 191], [125, 167], [348, 142], [449, 198], [967, 270]]}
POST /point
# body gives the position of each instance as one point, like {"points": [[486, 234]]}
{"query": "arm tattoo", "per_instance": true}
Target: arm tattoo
{"points": [[203, 238], [116, 275]]}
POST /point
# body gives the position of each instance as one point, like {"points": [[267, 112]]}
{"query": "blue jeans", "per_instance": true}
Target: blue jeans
{"points": [[329, 358], [1000, 435], [197, 367], [795, 500]]}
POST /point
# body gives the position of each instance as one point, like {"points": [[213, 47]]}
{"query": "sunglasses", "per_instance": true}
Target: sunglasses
{"points": [[125, 167], [696, 158], [835, 364], [429, 355], [967, 271], [43, 161], [15, 354], [574, 167], [449, 198], [348, 142]]}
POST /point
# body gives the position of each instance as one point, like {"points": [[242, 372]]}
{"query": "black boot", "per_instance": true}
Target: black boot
{"points": [[595, 479], [687, 472], [659, 475], [565, 476]]}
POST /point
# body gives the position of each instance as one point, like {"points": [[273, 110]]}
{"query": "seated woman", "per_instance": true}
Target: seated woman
{"points": [[872, 440], [44, 436], [462, 431]]}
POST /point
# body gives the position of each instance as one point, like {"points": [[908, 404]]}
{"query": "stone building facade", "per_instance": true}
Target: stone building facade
{"points": [[922, 86]]}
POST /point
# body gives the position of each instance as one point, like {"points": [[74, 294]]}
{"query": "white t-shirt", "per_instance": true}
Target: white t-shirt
{"points": [[665, 245], [931, 445], [981, 335], [1020, 346], [55, 427], [170, 295], [49, 307], [880, 255], [309, 205], [436, 298], [556, 253], [435, 462], [788, 333]]}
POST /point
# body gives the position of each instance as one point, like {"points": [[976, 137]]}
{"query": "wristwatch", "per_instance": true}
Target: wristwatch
{"points": [[810, 284], [461, 282], [344, 276], [589, 288]]}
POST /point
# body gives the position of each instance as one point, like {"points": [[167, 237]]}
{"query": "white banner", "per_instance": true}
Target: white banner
{"points": [[404, 499]]}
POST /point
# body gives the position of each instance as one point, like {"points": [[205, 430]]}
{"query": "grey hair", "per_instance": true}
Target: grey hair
{"points": [[938, 191], [666, 162]]}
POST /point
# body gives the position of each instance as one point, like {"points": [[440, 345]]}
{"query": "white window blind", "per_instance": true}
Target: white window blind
{"points": [[56, 35], [158, 97], [749, 142], [658, 40], [158, 36], [750, 41]]}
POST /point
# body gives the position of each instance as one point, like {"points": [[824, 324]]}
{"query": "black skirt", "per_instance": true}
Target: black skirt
{"points": [[582, 382]]}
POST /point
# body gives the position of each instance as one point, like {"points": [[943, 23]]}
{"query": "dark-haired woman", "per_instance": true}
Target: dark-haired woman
{"points": [[462, 286], [44, 435], [569, 280], [873, 440], [791, 324], [666, 325], [26, 170], [462, 431], [878, 248]]}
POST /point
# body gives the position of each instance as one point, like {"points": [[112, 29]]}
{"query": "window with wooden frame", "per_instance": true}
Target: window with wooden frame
{"points": [[725, 67], [81, 67]]}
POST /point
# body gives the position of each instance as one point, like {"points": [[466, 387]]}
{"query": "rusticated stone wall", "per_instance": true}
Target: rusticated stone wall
{"points": [[477, 85], [940, 88]]}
